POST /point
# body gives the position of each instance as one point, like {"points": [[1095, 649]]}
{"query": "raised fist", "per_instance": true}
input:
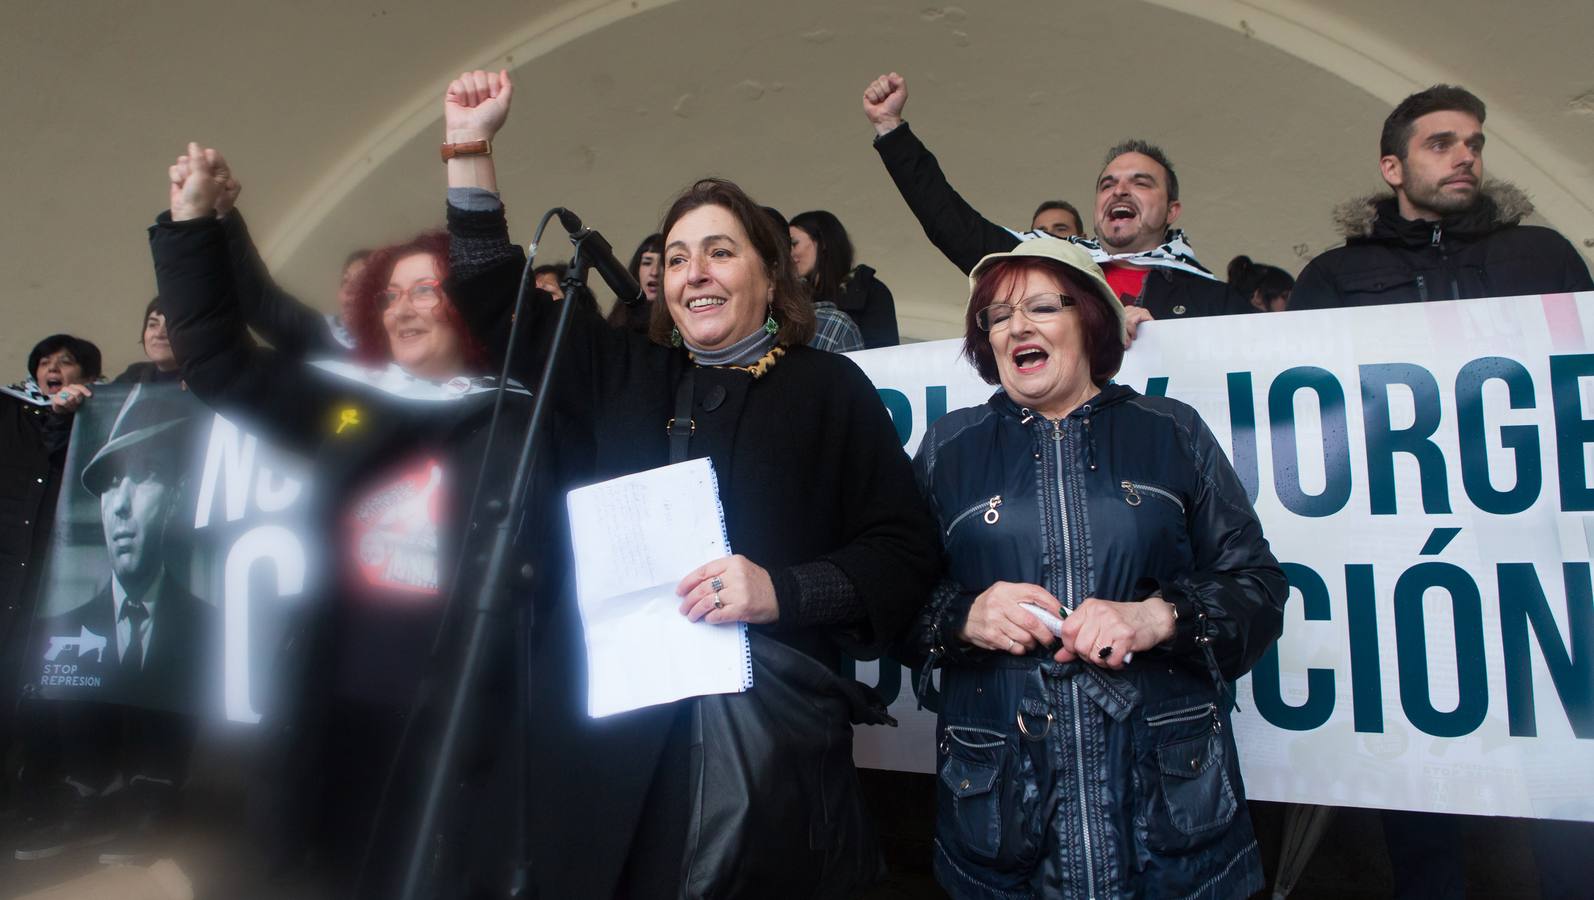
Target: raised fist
{"points": [[476, 105], [230, 188], [883, 100], [198, 182]]}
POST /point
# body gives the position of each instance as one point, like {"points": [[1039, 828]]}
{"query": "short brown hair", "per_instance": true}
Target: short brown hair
{"points": [[1098, 323], [1402, 120], [790, 306]]}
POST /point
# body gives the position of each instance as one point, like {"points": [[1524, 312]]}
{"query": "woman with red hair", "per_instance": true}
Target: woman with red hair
{"points": [[1106, 581], [433, 343], [398, 435]]}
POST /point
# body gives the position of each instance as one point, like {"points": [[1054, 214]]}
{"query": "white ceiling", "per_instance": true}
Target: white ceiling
{"points": [[329, 112]]}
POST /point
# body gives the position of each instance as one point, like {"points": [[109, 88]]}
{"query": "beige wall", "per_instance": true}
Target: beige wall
{"points": [[1270, 110]]}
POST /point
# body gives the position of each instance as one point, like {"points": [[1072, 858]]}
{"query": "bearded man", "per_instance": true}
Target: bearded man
{"points": [[1444, 233]]}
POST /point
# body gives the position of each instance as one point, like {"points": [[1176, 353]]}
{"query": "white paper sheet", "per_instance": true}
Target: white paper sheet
{"points": [[635, 537]]}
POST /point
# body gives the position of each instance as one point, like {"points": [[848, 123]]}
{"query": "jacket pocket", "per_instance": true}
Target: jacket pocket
{"points": [[989, 805], [988, 511], [1137, 492], [1189, 799], [1387, 285]]}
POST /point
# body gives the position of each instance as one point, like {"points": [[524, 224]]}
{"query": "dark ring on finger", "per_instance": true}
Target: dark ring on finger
{"points": [[1104, 652]]}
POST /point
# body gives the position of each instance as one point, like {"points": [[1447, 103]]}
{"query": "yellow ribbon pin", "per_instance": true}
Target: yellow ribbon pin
{"points": [[347, 416]]}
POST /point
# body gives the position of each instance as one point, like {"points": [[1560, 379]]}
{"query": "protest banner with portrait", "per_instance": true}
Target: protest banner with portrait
{"points": [[176, 555]]}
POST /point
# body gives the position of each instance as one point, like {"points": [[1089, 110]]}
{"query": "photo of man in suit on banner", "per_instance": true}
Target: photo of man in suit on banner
{"points": [[143, 637]]}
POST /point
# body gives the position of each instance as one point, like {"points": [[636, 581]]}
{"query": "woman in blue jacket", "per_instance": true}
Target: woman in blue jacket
{"points": [[1091, 757]]}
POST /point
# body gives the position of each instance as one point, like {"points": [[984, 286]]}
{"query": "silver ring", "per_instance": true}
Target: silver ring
{"points": [[718, 603], [716, 584], [1010, 643]]}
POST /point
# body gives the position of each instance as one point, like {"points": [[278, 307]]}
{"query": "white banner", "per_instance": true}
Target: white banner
{"points": [[1423, 473]]}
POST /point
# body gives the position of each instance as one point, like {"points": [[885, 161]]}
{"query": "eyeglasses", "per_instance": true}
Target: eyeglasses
{"points": [[1037, 308], [423, 295]]}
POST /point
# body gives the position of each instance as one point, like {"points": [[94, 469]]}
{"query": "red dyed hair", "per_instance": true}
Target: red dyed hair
{"points": [[365, 320], [1098, 323]]}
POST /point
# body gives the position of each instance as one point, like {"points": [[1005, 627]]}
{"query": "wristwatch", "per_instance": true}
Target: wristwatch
{"points": [[467, 148]]}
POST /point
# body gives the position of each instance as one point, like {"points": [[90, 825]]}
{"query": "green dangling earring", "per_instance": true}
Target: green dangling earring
{"points": [[770, 325], [675, 337]]}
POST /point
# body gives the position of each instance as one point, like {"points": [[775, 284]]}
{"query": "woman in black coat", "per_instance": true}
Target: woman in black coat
{"points": [[396, 436], [834, 548]]}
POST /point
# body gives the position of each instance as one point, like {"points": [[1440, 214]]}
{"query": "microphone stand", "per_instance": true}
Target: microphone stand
{"points": [[504, 518]]}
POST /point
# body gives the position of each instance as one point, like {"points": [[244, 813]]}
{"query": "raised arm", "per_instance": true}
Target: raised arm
{"points": [[485, 268], [293, 327], [952, 225], [220, 363]]}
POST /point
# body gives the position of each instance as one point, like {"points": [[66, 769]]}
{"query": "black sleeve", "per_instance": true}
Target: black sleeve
{"points": [[892, 554], [952, 225], [1231, 605], [878, 318], [1577, 276], [293, 327], [933, 636], [279, 396], [1236, 303], [1315, 289], [485, 271]]}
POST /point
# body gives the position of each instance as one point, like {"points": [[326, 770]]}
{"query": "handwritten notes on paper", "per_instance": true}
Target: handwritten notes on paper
{"points": [[635, 537]]}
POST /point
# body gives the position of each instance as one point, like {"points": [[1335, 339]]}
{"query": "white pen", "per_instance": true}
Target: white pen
{"points": [[1055, 625]]}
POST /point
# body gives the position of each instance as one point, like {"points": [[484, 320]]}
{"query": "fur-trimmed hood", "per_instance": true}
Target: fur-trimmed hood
{"points": [[1500, 204]]}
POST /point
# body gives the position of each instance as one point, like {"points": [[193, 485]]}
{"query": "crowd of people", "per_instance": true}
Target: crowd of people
{"points": [[1078, 560]]}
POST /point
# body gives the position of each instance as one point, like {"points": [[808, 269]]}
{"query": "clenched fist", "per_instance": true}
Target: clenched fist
{"points": [[476, 105], [199, 180], [883, 100]]}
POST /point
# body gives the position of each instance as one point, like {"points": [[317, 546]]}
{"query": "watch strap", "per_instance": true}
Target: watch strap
{"points": [[467, 148]]}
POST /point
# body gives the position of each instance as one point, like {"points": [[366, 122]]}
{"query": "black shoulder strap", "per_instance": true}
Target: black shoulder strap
{"points": [[681, 426]]}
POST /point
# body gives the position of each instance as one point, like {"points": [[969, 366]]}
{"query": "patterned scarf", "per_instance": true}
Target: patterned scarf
{"points": [[1175, 253], [28, 392]]}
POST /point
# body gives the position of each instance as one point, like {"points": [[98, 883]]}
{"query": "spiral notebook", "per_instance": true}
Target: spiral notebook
{"points": [[635, 538]]}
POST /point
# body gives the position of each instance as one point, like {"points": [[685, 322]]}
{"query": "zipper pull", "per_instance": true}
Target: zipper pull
{"points": [[1217, 721], [991, 515], [1057, 430], [1438, 234], [1131, 496]]}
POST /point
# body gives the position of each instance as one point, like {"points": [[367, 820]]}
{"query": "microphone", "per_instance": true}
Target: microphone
{"points": [[596, 249]]}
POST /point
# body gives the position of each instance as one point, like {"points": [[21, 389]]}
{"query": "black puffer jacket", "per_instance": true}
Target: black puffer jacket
{"points": [[965, 237], [1065, 780], [1482, 252]]}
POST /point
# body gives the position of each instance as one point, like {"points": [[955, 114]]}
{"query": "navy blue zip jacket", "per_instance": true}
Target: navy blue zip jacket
{"points": [[1066, 780]]}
